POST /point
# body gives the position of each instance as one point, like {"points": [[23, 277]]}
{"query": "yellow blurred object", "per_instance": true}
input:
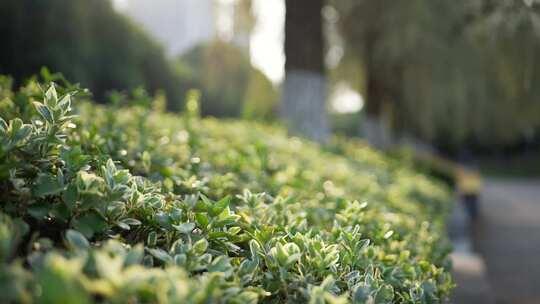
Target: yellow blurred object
{"points": [[468, 181]]}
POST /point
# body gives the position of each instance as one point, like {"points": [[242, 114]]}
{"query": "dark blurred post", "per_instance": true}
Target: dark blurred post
{"points": [[378, 89], [304, 90]]}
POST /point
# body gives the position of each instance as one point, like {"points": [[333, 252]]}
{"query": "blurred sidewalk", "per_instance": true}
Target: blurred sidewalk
{"points": [[497, 258], [507, 236], [469, 271]]}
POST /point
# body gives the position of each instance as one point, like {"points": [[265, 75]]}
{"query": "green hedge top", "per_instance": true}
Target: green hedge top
{"points": [[132, 205]]}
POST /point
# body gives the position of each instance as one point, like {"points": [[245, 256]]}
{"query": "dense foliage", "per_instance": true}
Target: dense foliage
{"points": [[133, 205]]}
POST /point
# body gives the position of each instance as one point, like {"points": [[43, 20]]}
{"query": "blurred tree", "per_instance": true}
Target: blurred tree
{"points": [[452, 73], [229, 85], [386, 38], [88, 42], [504, 37], [304, 90]]}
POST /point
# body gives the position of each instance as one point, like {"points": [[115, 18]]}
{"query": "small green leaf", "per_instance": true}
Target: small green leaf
{"points": [[111, 167], [51, 97], [76, 240], [201, 219], [45, 112], [16, 124], [200, 247], [180, 259], [90, 224], [176, 214], [122, 225], [74, 158], [3, 125], [152, 239], [220, 264], [385, 294], [132, 221], [22, 133], [218, 207], [160, 255], [185, 227], [255, 250], [46, 185], [202, 205], [148, 261], [134, 256], [39, 211], [65, 103], [163, 219], [69, 197]]}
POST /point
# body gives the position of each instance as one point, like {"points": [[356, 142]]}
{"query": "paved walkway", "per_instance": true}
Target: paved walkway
{"points": [[507, 236], [469, 269]]}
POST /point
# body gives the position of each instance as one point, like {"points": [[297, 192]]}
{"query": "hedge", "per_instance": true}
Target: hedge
{"points": [[127, 204]]}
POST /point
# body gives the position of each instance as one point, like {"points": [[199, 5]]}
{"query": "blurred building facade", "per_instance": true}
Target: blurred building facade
{"points": [[177, 24], [182, 24]]}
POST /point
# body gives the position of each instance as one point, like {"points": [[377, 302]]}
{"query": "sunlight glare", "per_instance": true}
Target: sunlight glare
{"points": [[267, 39]]}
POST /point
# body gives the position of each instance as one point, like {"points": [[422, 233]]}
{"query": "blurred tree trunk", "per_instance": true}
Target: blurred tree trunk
{"points": [[304, 90], [374, 126]]}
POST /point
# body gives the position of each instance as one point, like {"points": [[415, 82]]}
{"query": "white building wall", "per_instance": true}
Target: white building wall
{"points": [[177, 24]]}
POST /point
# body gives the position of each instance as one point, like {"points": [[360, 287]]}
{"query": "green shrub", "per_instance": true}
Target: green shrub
{"points": [[131, 205]]}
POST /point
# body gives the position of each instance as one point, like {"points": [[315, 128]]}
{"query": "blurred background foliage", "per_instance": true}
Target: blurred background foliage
{"points": [[458, 75], [230, 86], [89, 42]]}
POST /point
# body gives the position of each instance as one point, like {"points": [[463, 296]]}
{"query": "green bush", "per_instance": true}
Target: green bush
{"points": [[131, 205]]}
